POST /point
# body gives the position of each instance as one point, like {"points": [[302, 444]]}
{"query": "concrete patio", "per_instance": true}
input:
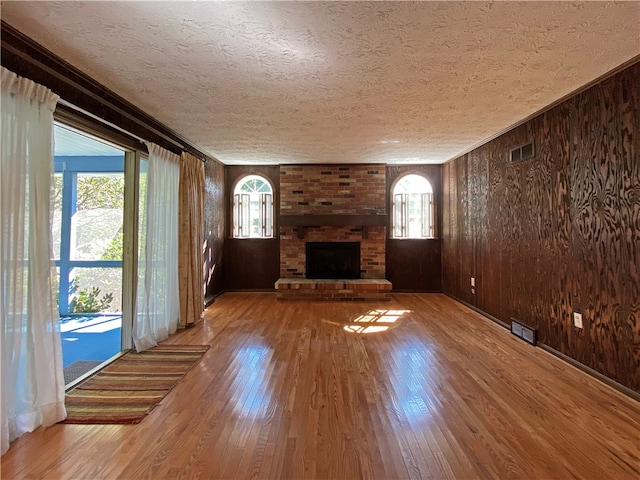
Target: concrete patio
{"points": [[87, 341]]}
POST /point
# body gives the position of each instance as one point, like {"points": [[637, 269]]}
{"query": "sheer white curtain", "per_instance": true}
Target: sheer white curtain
{"points": [[32, 375], [157, 305]]}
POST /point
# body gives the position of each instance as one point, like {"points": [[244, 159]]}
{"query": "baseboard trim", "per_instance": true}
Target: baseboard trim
{"points": [[250, 290], [477, 310], [590, 371], [571, 361], [209, 299], [415, 291]]}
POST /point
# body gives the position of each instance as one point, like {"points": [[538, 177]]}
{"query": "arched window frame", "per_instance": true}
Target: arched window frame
{"points": [[253, 213], [412, 210]]}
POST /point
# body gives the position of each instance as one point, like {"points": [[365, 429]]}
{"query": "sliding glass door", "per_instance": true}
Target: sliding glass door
{"points": [[90, 236]]}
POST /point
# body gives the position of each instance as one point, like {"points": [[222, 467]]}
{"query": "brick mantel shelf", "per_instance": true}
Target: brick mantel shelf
{"points": [[303, 221]]}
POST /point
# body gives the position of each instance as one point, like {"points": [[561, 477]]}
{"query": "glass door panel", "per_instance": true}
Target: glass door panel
{"points": [[56, 221], [142, 227], [97, 220], [88, 212]]}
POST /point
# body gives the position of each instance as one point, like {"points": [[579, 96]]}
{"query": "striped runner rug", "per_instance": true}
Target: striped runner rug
{"points": [[130, 387]]}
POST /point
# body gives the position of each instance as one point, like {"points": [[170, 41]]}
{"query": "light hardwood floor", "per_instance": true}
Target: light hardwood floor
{"points": [[293, 390]]}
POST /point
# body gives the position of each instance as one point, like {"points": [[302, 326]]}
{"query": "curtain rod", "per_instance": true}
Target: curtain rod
{"points": [[116, 127]]}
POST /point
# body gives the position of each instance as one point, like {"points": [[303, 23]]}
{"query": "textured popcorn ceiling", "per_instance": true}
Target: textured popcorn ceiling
{"points": [[324, 82]]}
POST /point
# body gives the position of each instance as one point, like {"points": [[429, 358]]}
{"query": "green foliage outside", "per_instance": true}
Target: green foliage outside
{"points": [[100, 191], [255, 185], [89, 300], [114, 250], [94, 192], [56, 193]]}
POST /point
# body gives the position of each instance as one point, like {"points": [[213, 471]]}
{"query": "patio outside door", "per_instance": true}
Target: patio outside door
{"points": [[88, 236]]}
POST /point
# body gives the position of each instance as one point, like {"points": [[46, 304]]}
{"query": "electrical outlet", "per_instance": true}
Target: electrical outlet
{"points": [[473, 281], [577, 320]]}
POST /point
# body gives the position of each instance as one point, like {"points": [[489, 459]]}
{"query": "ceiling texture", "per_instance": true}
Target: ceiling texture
{"points": [[336, 82]]}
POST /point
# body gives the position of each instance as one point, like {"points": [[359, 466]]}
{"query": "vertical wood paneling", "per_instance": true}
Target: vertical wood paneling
{"points": [[528, 212], [449, 230], [412, 264], [490, 251], [517, 233], [630, 211], [466, 250], [486, 277], [558, 233], [251, 264], [554, 317], [215, 227], [597, 230]]}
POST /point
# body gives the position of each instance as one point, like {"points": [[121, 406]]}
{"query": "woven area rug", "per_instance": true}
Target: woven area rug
{"points": [[130, 387]]}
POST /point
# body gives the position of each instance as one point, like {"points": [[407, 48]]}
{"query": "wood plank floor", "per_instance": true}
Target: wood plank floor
{"points": [[418, 387]]}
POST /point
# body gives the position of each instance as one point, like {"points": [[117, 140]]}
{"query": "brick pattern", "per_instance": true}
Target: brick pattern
{"points": [[340, 290], [372, 249], [332, 190]]}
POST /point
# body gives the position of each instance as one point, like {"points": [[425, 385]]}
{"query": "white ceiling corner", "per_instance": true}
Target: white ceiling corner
{"points": [[336, 82]]}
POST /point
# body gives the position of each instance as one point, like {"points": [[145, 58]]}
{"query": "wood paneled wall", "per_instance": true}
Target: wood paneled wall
{"points": [[411, 265], [251, 264], [559, 233], [215, 227], [415, 264]]}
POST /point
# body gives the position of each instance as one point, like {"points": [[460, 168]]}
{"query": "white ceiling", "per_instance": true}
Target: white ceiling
{"points": [[71, 143], [336, 82]]}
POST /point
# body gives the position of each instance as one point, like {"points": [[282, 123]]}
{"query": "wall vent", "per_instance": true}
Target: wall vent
{"points": [[528, 334], [522, 153]]}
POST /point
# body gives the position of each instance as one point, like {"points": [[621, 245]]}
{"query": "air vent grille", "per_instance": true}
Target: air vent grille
{"points": [[522, 153], [528, 334]]}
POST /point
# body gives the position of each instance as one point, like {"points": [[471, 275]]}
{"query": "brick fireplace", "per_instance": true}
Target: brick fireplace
{"points": [[332, 203], [333, 260]]}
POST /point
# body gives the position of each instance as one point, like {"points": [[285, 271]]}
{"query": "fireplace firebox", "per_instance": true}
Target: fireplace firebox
{"points": [[333, 260]]}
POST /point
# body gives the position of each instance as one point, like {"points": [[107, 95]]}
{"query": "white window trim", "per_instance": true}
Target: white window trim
{"points": [[242, 215], [400, 212]]}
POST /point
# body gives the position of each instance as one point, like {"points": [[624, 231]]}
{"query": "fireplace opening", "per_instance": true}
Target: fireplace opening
{"points": [[333, 260]]}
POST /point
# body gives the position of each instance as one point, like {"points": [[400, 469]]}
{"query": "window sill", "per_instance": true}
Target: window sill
{"points": [[251, 238], [414, 238]]}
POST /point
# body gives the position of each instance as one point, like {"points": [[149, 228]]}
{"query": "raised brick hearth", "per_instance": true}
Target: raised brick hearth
{"points": [[340, 290], [332, 203]]}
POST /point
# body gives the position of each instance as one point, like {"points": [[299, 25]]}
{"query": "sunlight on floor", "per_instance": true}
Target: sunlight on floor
{"points": [[363, 323], [101, 327], [90, 338]]}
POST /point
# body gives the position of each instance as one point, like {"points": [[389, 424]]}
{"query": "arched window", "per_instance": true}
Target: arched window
{"points": [[413, 208], [253, 208]]}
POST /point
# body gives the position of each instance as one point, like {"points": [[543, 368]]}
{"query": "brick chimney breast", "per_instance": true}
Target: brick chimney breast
{"points": [[332, 190]]}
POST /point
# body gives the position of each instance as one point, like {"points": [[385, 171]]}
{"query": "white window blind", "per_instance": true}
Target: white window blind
{"points": [[400, 214], [266, 201], [427, 214]]}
